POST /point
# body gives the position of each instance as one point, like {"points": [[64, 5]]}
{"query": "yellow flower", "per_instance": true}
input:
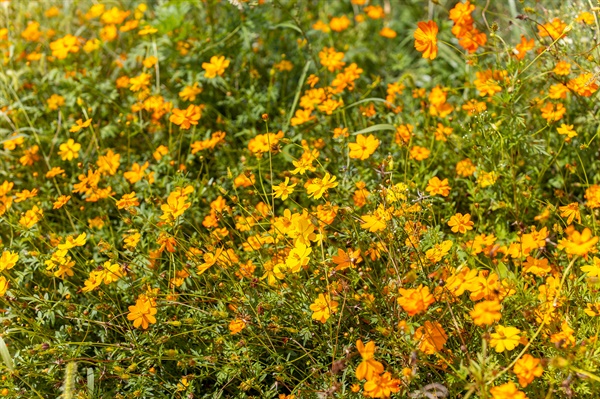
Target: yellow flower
{"points": [[80, 124], [323, 307], [31, 217], [426, 39], [63, 46], [147, 30], [298, 257], [539, 267], [131, 241], [150, 61], [564, 337], [72, 242], [302, 116], [216, 66], [177, 203], [55, 101], [570, 212], [109, 163], [486, 313], [553, 112], [438, 251], [283, 190], [111, 272], [562, 68], [339, 24], [69, 150], [316, 187], [139, 82], [136, 173], [3, 285], [567, 130], [505, 338], [592, 270], [486, 179], [364, 147], [8, 260], [142, 313], [388, 33], [592, 309], [465, 168], [555, 29]]}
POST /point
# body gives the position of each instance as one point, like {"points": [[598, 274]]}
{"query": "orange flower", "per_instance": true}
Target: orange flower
{"points": [[216, 66], [142, 313], [460, 223], [431, 337], [555, 29], [578, 243], [323, 307], [80, 124], [369, 367], [127, 201], [507, 391], [415, 300], [186, 117], [237, 325], [523, 47], [381, 386], [527, 368], [436, 186], [388, 33], [331, 59], [486, 312], [426, 39], [345, 260], [338, 24]]}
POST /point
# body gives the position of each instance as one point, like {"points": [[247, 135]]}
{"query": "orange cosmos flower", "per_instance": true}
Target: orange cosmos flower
{"points": [[436, 186], [369, 367], [431, 337], [486, 313], [460, 223], [186, 117], [578, 243], [527, 368], [415, 300], [142, 313], [323, 307], [426, 39]]}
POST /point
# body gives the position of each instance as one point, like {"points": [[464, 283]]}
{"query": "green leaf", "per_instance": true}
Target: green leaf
{"points": [[288, 25], [375, 128]]}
